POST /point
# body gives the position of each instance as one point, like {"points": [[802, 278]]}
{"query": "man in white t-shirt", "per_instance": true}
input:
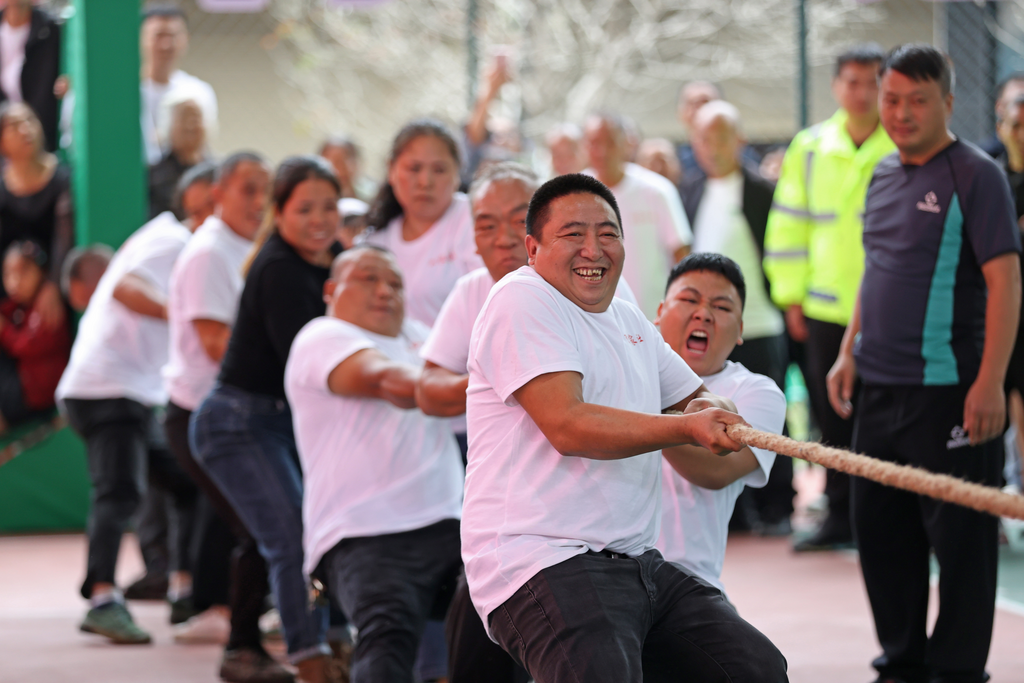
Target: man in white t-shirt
{"points": [[566, 389], [108, 392], [657, 233], [164, 39], [383, 481], [701, 318]]}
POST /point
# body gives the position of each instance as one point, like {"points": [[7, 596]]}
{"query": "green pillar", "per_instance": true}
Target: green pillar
{"points": [[109, 173]]}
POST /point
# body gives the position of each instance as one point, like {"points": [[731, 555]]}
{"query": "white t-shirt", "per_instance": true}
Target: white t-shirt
{"points": [[654, 226], [720, 227], [695, 520], [185, 86], [448, 342], [433, 262], [118, 353], [12, 58], [527, 506], [369, 467], [205, 285]]}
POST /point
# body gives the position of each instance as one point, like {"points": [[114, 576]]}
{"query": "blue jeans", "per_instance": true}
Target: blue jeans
{"points": [[245, 443]]}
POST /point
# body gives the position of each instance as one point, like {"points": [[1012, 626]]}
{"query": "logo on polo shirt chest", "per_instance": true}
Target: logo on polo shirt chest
{"points": [[930, 204], [633, 339]]}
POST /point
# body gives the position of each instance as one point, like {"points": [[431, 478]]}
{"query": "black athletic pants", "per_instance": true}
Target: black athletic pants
{"points": [[896, 530], [123, 444], [228, 566], [823, 342]]}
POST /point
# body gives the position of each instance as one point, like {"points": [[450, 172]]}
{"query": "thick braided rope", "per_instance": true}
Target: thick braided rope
{"points": [[940, 486]]}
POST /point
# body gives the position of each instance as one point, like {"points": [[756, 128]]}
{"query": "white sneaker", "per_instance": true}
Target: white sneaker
{"points": [[212, 626]]}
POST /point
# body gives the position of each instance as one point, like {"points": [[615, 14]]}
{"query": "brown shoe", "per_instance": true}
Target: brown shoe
{"points": [[313, 670]]}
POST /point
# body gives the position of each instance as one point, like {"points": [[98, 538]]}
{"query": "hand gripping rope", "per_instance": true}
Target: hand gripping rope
{"points": [[940, 486]]}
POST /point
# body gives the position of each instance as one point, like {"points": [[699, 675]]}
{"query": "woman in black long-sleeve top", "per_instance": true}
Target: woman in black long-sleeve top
{"points": [[242, 432]]}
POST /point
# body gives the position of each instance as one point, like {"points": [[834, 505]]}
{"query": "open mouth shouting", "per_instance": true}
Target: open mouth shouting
{"points": [[590, 274], [697, 342]]}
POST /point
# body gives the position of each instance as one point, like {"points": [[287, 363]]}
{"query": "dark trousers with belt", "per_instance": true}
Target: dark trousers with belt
{"points": [[599, 617], [227, 566], [823, 342], [124, 447], [896, 531]]}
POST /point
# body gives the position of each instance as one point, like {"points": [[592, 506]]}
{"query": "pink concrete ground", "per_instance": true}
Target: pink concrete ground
{"points": [[812, 606]]}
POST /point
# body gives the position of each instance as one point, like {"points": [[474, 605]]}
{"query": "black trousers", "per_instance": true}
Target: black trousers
{"points": [[472, 655], [598, 618], [896, 530], [773, 502], [228, 567], [389, 586], [823, 342], [123, 444]]}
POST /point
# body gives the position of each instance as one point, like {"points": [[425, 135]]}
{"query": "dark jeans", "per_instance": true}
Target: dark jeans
{"points": [[389, 586], [246, 445], [772, 503], [823, 342], [896, 530], [472, 655], [600, 617], [227, 566], [123, 442]]}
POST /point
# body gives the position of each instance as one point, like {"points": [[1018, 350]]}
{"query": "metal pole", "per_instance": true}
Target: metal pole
{"points": [[801, 13], [472, 50]]}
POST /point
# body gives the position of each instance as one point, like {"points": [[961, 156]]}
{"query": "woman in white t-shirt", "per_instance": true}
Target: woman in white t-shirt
{"points": [[420, 217]]}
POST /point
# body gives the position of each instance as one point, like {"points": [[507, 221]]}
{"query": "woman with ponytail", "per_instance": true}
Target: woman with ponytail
{"points": [[242, 432]]}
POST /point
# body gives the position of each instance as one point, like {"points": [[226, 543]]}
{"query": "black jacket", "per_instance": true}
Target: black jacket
{"points": [[41, 69], [756, 200]]}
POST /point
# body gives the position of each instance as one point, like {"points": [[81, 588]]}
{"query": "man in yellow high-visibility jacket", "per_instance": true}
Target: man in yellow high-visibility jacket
{"points": [[813, 252]]}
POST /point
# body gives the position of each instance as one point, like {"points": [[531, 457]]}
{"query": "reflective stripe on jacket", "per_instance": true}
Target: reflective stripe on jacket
{"points": [[813, 251]]}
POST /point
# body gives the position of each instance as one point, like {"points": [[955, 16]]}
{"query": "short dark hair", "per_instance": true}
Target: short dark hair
{"points": [[863, 54], [920, 62], [203, 172], [710, 262], [30, 250], [234, 160], [562, 186], [164, 10]]}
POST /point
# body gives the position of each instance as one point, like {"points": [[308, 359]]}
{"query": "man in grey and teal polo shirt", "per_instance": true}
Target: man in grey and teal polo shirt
{"points": [[937, 318]]}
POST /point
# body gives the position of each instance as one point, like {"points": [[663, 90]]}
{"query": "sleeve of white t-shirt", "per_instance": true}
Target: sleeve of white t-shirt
{"points": [[673, 226], [762, 404], [677, 379], [318, 349], [448, 343], [206, 289], [522, 334], [156, 264]]}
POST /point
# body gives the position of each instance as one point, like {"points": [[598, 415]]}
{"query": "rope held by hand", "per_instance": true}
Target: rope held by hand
{"points": [[940, 486]]}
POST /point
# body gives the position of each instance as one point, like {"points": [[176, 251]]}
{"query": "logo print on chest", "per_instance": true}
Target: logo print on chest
{"points": [[930, 204], [633, 339]]}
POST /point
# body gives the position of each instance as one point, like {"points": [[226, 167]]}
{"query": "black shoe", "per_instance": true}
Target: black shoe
{"points": [[147, 587], [182, 610], [246, 665], [832, 535]]}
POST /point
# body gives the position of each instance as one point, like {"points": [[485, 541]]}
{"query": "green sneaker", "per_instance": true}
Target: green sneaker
{"points": [[113, 621]]}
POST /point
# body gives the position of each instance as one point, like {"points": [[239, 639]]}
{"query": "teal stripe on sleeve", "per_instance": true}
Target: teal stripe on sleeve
{"points": [[936, 348]]}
